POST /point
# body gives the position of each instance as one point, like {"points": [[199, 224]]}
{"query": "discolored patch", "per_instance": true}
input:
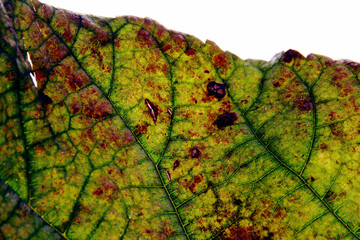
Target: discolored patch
{"points": [[153, 110], [336, 129], [323, 146], [291, 54], [226, 119], [145, 38], [216, 89], [75, 108], [93, 105], [190, 52], [140, 130], [220, 60], [196, 181], [98, 192], [107, 189], [98, 111], [194, 153], [77, 80], [304, 104], [278, 82]]}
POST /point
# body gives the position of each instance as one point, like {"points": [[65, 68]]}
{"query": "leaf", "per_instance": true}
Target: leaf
{"points": [[138, 132], [17, 221]]}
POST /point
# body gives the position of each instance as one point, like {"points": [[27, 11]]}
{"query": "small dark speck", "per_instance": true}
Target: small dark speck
{"points": [[176, 164]]}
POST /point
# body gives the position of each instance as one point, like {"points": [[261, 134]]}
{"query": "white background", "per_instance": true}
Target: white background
{"points": [[255, 29]]}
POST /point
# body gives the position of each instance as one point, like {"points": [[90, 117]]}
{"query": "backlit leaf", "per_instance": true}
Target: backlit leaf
{"points": [[138, 132]]}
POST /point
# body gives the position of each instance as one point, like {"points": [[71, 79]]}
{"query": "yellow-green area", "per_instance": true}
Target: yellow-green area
{"points": [[139, 132]]}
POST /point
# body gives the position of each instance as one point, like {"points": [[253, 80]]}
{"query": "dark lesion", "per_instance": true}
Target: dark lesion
{"points": [[216, 89], [195, 152], [226, 119], [290, 55]]}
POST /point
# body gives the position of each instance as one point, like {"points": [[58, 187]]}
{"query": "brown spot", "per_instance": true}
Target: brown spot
{"points": [[190, 52], [179, 39], [127, 137], [335, 129], [323, 146], [304, 104], [53, 50], [77, 220], [168, 232], [77, 80], [166, 47], [67, 35], [145, 38], [194, 153], [311, 56], [75, 108], [242, 233], [332, 115], [278, 82], [39, 149], [339, 77], [98, 192], [148, 22], [354, 66], [291, 54], [245, 101], [107, 190], [99, 111], [329, 62], [43, 98], [140, 130], [90, 134], [220, 60], [226, 119], [216, 89], [154, 111], [104, 145], [176, 164], [24, 213], [197, 180]]}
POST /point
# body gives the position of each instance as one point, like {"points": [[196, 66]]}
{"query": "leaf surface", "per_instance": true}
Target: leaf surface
{"points": [[17, 221], [135, 131]]}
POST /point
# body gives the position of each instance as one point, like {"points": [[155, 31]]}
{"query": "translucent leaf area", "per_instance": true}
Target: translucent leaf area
{"points": [[138, 132]]}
